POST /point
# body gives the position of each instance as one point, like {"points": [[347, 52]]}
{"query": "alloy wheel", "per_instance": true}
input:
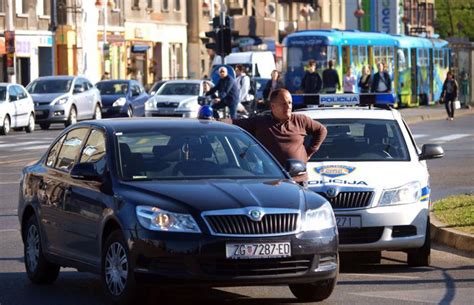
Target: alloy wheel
{"points": [[116, 269], [32, 248]]}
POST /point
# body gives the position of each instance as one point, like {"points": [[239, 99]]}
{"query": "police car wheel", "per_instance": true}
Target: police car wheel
{"points": [[421, 257]]}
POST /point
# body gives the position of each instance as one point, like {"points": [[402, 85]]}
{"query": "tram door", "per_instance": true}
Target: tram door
{"points": [[346, 58], [431, 76], [414, 77]]}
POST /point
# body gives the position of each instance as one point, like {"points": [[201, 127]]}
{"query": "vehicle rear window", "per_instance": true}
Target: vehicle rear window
{"points": [[194, 155], [361, 140]]}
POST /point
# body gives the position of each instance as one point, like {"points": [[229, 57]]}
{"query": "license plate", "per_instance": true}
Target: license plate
{"points": [[258, 250], [39, 112], [166, 111], [348, 221]]}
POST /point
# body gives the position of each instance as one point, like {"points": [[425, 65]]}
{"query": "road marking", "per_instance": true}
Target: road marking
{"points": [[452, 137], [10, 182], [10, 230], [385, 275], [21, 144], [19, 160], [417, 136], [32, 148], [18, 155]]}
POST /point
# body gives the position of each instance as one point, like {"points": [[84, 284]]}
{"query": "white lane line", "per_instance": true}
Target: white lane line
{"points": [[32, 148], [21, 144], [417, 136], [10, 182], [385, 275], [10, 230], [452, 137]]}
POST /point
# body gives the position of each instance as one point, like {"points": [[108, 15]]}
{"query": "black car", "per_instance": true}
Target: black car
{"points": [[174, 202]]}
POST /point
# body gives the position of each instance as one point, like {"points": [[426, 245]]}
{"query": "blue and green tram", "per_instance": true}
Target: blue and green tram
{"points": [[416, 65]]}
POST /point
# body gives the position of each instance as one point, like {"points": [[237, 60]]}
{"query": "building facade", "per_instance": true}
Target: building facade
{"points": [[33, 41]]}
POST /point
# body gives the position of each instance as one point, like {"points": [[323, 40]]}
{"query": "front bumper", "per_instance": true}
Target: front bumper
{"points": [[170, 112], [111, 112], [48, 113], [174, 258]]}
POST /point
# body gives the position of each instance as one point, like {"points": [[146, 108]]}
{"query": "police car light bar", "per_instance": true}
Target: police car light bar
{"points": [[363, 99]]}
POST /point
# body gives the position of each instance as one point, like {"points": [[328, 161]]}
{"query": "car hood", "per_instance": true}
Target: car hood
{"points": [[195, 196], [377, 175], [46, 97], [174, 98], [108, 100]]}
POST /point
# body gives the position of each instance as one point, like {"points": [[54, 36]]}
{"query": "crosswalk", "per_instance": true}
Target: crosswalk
{"points": [[443, 139], [19, 146]]}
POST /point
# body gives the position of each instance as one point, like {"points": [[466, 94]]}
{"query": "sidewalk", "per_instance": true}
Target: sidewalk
{"points": [[435, 112]]}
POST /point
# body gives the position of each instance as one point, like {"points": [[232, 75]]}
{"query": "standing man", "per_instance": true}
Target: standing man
{"points": [[283, 132], [243, 83], [331, 82], [382, 82], [311, 83], [228, 94]]}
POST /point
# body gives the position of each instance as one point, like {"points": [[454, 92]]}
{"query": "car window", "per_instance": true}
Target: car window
{"points": [[80, 84], [42, 86], [179, 89], [362, 140], [20, 92], [88, 85], [94, 150], [3, 93], [70, 149], [53, 152], [12, 93], [191, 154], [111, 88]]}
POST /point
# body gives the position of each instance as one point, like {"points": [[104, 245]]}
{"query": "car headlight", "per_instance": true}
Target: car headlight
{"points": [[156, 219], [408, 193], [61, 101], [150, 104], [319, 219], [119, 102], [187, 105]]}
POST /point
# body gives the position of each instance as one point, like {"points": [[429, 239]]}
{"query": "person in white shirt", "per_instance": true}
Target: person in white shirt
{"points": [[349, 81], [243, 83]]}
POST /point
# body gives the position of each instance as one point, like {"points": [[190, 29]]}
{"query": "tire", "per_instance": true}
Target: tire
{"points": [[118, 289], [72, 119], [44, 126], [129, 111], [421, 257], [5, 129], [97, 113], [31, 124], [38, 269]]}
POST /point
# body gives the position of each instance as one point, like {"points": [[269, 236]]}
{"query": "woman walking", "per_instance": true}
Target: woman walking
{"points": [[449, 94]]}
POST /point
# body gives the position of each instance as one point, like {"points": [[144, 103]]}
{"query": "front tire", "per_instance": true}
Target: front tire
{"points": [[314, 292], [129, 111], [38, 269], [421, 257], [44, 126], [31, 124], [5, 129], [97, 113], [72, 119], [117, 275]]}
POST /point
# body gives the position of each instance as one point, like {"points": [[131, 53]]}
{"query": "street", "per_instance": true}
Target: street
{"points": [[449, 280]]}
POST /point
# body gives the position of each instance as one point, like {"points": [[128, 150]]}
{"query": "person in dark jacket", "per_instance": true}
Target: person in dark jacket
{"points": [[365, 81], [273, 84], [381, 82], [331, 82], [449, 94], [228, 94], [311, 83]]}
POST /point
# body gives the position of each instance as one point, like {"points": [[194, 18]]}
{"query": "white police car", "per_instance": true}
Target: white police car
{"points": [[375, 177]]}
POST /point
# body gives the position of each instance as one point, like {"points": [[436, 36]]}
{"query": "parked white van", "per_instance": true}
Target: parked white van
{"points": [[16, 109], [258, 64]]}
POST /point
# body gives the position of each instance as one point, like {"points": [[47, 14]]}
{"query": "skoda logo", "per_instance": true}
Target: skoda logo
{"points": [[331, 192], [256, 215]]}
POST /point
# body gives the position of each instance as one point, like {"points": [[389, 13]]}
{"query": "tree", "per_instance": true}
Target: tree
{"points": [[454, 18]]}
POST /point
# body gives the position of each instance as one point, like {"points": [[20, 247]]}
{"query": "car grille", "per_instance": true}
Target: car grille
{"points": [[243, 225], [256, 267], [349, 200], [360, 236], [167, 105], [42, 116]]}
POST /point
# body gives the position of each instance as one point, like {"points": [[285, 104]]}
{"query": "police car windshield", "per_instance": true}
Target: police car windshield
{"points": [[362, 140]]}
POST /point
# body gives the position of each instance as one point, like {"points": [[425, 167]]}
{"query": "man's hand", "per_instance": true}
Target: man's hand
{"points": [[216, 100]]}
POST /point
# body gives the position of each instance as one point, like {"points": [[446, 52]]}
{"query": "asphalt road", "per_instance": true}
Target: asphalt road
{"points": [[450, 279]]}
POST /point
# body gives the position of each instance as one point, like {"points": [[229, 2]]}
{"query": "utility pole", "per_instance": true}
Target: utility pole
{"points": [[11, 58], [450, 15]]}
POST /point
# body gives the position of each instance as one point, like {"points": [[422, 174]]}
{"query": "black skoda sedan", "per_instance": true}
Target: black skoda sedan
{"points": [[174, 202]]}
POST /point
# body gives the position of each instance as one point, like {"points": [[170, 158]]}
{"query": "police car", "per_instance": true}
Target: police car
{"points": [[375, 177]]}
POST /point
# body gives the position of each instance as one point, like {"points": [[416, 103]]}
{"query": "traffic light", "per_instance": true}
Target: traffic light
{"points": [[223, 43], [216, 45]]}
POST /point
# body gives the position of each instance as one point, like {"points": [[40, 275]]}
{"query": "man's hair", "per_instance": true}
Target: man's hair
{"points": [[240, 67], [330, 64], [275, 93], [311, 63]]}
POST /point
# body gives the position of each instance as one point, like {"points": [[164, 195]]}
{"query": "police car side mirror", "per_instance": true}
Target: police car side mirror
{"points": [[295, 167], [431, 151]]}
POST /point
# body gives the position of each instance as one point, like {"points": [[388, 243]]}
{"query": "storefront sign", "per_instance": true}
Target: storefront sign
{"points": [[23, 46], [10, 63]]}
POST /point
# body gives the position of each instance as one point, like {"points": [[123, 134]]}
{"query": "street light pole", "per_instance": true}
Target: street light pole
{"points": [[104, 35]]}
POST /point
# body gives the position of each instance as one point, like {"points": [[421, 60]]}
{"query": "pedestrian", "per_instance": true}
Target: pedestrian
{"points": [[449, 94], [331, 82], [274, 83], [365, 80], [349, 81], [105, 76], [206, 86], [228, 94], [381, 82], [311, 84], [243, 83], [283, 132]]}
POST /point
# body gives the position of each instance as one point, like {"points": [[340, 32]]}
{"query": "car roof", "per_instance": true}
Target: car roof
{"points": [[56, 77], [351, 112], [117, 81], [187, 81], [133, 125]]}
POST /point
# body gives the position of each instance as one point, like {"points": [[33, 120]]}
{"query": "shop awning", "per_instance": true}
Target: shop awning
{"points": [[140, 48]]}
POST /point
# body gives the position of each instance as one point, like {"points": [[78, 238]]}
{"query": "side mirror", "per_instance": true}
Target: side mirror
{"points": [[78, 89], [295, 167], [431, 151], [85, 171]]}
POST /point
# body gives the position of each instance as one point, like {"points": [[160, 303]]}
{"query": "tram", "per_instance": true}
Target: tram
{"points": [[417, 65]]}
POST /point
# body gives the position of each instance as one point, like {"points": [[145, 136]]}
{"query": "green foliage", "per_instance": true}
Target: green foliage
{"points": [[454, 18], [456, 212]]}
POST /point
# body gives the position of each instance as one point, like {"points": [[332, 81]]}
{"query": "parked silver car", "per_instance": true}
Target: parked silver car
{"points": [[64, 99]]}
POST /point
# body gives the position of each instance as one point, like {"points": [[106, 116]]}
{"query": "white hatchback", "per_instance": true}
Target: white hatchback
{"points": [[376, 179], [16, 109]]}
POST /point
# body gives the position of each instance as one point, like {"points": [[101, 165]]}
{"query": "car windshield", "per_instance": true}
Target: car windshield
{"points": [[361, 140], [179, 89], [3, 93], [50, 86], [111, 88], [191, 154]]}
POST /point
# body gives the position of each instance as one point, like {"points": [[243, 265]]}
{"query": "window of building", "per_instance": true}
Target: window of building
{"points": [[149, 4], [2, 6], [165, 5], [135, 4], [43, 7], [22, 6], [177, 5], [430, 14]]}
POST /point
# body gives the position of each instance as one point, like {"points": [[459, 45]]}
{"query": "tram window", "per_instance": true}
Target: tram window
{"points": [[402, 59], [377, 55], [295, 57], [446, 58], [363, 55], [390, 59], [355, 57], [333, 55]]}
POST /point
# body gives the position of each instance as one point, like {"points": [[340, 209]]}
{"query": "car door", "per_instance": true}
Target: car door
{"points": [[58, 186], [86, 202], [80, 99], [134, 98], [22, 107], [12, 106], [140, 100], [91, 97]]}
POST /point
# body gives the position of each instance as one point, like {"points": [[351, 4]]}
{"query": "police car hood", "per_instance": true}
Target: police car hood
{"points": [[174, 98], [377, 175]]}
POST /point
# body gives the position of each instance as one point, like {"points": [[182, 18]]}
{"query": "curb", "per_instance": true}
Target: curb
{"points": [[411, 119], [450, 237]]}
